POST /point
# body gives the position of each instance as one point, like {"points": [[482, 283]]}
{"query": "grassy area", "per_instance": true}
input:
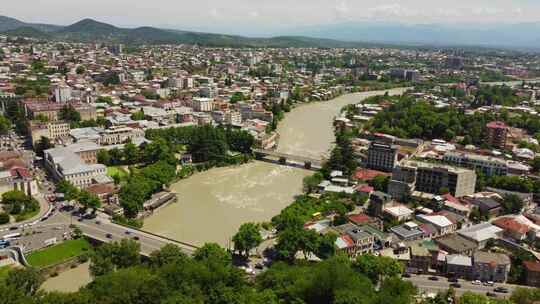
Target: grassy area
{"points": [[58, 253], [117, 170], [25, 216], [4, 272]]}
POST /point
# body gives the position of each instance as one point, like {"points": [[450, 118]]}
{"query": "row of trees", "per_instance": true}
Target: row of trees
{"points": [[205, 143], [170, 276], [86, 199]]}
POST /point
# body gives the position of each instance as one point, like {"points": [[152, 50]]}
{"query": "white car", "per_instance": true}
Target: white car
{"points": [[476, 282], [489, 283]]}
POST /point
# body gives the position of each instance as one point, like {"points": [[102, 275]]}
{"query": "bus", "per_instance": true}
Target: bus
{"points": [[11, 236]]}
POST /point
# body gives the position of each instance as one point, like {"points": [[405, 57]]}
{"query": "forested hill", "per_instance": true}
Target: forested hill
{"points": [[89, 30]]}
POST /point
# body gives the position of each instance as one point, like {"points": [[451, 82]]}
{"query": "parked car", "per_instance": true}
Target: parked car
{"points": [[456, 285], [108, 235], [136, 238], [453, 280], [406, 275], [433, 278], [489, 283], [501, 290], [476, 282]]}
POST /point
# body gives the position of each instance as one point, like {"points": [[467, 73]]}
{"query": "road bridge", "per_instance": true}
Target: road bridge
{"points": [[105, 231], [285, 158]]}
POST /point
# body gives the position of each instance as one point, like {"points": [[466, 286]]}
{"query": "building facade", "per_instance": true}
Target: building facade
{"points": [[382, 157]]}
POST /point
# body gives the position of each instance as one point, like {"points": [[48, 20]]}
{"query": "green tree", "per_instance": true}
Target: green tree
{"points": [[44, 143], [139, 115], [166, 255], [89, 201], [4, 218], [68, 189], [27, 280], [512, 204], [473, 298], [312, 182], [377, 268], [5, 125], [104, 157], [247, 238], [68, 113]]}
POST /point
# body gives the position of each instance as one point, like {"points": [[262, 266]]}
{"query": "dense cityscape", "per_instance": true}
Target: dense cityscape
{"points": [[154, 171]]}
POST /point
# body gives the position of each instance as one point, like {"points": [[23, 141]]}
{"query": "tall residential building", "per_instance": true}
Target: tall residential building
{"points": [[410, 176], [62, 93], [382, 157], [51, 130], [487, 164], [497, 133]]}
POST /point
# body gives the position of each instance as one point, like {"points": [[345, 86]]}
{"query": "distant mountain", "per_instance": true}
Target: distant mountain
{"points": [[523, 35], [8, 24], [89, 30]]}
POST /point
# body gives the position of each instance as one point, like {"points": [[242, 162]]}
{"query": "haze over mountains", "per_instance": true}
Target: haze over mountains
{"points": [[517, 36]]}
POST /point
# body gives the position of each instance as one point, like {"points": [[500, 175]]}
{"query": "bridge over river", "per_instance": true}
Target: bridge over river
{"points": [[286, 158]]}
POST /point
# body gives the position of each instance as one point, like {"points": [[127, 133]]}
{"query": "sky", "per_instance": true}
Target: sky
{"points": [[254, 17]]}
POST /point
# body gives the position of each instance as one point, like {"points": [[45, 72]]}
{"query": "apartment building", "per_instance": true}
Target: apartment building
{"points": [[382, 157], [51, 130], [411, 176], [497, 133], [488, 165]]}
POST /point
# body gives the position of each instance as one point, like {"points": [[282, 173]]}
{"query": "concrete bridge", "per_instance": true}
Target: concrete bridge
{"points": [[284, 158], [107, 232]]}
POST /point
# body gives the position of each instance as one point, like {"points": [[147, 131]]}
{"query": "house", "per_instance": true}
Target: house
{"points": [[490, 266], [362, 240], [440, 222], [487, 205], [399, 212], [409, 231], [362, 219], [512, 228], [481, 233], [456, 244], [420, 258], [532, 273], [459, 266]]}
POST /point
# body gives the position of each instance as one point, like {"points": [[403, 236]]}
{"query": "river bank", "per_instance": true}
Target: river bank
{"points": [[214, 203]]}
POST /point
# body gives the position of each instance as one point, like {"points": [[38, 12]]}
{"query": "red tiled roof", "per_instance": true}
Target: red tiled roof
{"points": [[22, 172], [510, 224], [496, 125], [365, 189], [532, 266], [360, 218], [348, 240], [367, 174], [450, 198]]}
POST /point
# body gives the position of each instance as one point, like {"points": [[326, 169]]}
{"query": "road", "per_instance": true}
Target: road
{"points": [[103, 229], [426, 285]]}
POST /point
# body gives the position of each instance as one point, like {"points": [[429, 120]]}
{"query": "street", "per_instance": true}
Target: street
{"points": [[426, 285]]}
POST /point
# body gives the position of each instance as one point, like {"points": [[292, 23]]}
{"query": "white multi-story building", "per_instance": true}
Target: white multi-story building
{"points": [[119, 135], [65, 164], [488, 165], [62, 93], [203, 104]]}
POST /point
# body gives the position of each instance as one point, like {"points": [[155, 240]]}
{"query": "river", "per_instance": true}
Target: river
{"points": [[213, 204]]}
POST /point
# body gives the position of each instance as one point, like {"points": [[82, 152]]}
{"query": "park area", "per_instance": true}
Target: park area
{"points": [[58, 253], [118, 171]]}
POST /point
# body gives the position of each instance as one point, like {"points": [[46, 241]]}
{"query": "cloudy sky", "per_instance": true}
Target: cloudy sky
{"points": [[272, 16]]}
